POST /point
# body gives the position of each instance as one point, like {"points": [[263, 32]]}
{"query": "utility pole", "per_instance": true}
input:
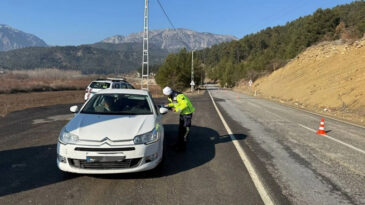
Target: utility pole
{"points": [[145, 58], [201, 77], [192, 83]]}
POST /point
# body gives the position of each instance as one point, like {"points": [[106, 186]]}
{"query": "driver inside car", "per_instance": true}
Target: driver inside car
{"points": [[106, 106]]}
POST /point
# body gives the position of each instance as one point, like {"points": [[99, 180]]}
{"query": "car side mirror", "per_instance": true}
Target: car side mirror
{"points": [[74, 109], [163, 110]]}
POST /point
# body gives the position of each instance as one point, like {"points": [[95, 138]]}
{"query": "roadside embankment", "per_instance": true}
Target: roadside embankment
{"points": [[327, 78]]}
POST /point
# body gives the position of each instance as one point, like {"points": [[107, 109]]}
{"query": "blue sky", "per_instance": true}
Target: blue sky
{"points": [[75, 22]]}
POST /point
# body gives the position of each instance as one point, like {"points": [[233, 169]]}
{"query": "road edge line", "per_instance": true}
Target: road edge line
{"points": [[251, 171], [336, 140]]}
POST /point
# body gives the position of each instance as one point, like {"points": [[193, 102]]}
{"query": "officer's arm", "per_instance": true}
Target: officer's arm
{"points": [[170, 105], [181, 103]]}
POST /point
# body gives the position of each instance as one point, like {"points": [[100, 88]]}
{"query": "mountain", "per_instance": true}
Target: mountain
{"points": [[88, 59], [11, 38], [116, 54], [174, 40]]}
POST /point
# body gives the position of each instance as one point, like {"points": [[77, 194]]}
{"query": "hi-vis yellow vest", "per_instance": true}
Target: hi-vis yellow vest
{"points": [[182, 104]]}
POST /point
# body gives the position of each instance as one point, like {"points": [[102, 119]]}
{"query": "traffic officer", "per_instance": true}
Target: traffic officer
{"points": [[180, 103]]}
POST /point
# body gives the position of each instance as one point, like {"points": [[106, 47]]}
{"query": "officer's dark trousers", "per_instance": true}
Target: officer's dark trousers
{"points": [[184, 129]]}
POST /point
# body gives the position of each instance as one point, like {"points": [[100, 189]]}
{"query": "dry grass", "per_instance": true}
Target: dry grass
{"points": [[155, 90], [43, 80], [48, 73], [17, 91], [19, 101], [13, 102]]}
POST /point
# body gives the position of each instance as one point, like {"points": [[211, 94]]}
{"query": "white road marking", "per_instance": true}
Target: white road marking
{"points": [[255, 178], [334, 139]]}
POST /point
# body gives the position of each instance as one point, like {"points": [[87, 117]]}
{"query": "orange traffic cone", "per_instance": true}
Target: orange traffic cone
{"points": [[321, 130]]}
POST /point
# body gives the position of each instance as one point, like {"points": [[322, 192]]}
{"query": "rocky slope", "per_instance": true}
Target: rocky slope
{"points": [[328, 77], [173, 40], [11, 38]]}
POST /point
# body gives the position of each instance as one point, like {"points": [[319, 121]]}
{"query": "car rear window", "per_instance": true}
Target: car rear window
{"points": [[130, 86], [118, 104], [119, 85], [99, 85]]}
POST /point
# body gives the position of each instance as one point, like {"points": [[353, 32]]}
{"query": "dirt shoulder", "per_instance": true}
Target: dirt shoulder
{"points": [[13, 102], [328, 79]]}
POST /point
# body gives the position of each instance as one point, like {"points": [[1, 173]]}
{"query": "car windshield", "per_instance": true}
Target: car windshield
{"points": [[99, 85], [118, 104]]}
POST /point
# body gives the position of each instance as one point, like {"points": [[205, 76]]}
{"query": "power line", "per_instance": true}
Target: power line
{"points": [[172, 25], [168, 18]]}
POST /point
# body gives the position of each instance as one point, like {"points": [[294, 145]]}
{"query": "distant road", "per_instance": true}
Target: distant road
{"points": [[292, 163]]}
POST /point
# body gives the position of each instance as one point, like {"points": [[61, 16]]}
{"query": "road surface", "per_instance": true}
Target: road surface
{"points": [[310, 168], [293, 164]]}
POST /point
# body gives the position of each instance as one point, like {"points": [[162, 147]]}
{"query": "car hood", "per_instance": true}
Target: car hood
{"points": [[114, 127]]}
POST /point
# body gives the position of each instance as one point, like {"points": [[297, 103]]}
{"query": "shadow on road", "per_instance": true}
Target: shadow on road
{"points": [[200, 150], [29, 168]]}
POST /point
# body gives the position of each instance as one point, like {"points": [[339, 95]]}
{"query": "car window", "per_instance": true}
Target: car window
{"points": [[116, 85], [129, 86], [123, 85], [99, 85], [119, 86], [118, 104]]}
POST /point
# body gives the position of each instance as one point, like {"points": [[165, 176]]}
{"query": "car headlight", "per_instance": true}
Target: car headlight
{"points": [[147, 138], [67, 137]]}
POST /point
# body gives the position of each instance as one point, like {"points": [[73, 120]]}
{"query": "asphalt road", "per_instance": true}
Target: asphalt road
{"points": [[209, 172], [310, 168], [295, 165]]}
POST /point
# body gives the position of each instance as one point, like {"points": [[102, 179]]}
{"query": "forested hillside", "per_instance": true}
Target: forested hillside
{"points": [[263, 52], [97, 58]]}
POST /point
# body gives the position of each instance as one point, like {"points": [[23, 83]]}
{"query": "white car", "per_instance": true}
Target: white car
{"points": [[116, 131], [109, 83]]}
